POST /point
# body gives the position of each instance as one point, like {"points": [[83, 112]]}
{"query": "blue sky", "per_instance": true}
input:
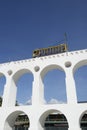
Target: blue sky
{"points": [[30, 24]]}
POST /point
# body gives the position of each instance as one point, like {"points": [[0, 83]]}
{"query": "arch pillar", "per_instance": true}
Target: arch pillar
{"points": [[73, 124], [38, 90], [1, 125], [34, 120], [9, 95], [34, 125], [73, 117], [70, 87]]}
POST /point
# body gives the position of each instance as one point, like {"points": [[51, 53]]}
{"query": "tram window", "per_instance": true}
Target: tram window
{"points": [[59, 49], [63, 48], [42, 52], [35, 52], [38, 52], [46, 51], [56, 49], [49, 51], [52, 50]]}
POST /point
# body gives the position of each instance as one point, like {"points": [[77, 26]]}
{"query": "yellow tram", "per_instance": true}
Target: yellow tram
{"points": [[50, 50]]}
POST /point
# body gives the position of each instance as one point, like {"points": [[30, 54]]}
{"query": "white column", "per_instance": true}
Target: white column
{"points": [[9, 95], [74, 128], [70, 87], [73, 117], [74, 124], [37, 90], [1, 124], [34, 119]]}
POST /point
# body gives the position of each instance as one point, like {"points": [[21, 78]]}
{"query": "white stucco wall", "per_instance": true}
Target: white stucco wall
{"points": [[68, 62]]}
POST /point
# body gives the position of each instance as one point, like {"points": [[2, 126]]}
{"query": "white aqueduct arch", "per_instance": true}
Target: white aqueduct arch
{"points": [[48, 68], [46, 113], [79, 64], [10, 120], [68, 62]]}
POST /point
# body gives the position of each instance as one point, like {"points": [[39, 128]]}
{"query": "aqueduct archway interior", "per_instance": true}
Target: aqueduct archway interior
{"points": [[53, 116], [55, 95], [81, 83], [11, 122]]}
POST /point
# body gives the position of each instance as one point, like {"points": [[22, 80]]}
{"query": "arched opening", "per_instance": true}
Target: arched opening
{"points": [[54, 85], [53, 120], [23, 80], [17, 120], [2, 83], [24, 89], [81, 84], [83, 121]]}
